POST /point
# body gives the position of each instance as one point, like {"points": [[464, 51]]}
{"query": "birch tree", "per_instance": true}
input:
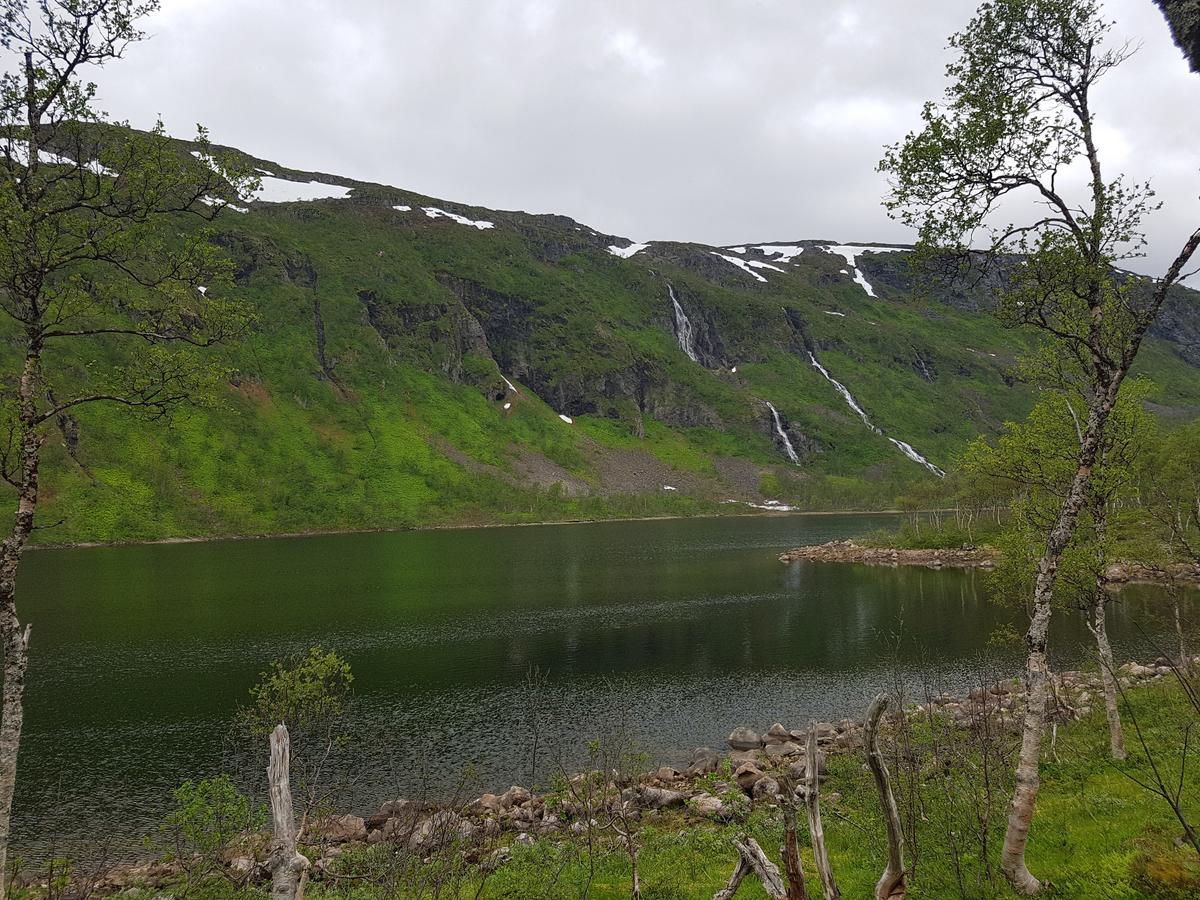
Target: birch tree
{"points": [[109, 287], [1017, 121]]}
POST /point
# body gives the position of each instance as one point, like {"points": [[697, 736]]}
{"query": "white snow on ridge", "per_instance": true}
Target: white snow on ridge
{"points": [[280, 190], [758, 264], [433, 212], [736, 249], [402, 208], [626, 252], [741, 264], [850, 252], [785, 252]]}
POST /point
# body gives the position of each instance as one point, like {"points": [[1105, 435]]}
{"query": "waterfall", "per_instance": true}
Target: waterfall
{"points": [[841, 389], [903, 447], [787, 442], [683, 328]]}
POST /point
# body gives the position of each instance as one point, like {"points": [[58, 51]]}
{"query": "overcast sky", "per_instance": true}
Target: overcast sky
{"points": [[719, 121]]}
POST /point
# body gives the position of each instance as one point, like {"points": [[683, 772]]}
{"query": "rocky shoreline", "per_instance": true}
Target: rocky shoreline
{"points": [[851, 552], [717, 786], [848, 551]]}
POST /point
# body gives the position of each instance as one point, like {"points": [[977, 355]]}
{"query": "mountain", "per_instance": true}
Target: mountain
{"points": [[417, 361]]}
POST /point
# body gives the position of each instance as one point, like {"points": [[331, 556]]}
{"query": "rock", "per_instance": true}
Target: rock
{"points": [[746, 776], [395, 808], [765, 787], [737, 757], [514, 796], [786, 748], [708, 805], [777, 734], [432, 832], [526, 839], [799, 768], [660, 798], [704, 760], [666, 773], [242, 865], [745, 738], [488, 803], [340, 829]]}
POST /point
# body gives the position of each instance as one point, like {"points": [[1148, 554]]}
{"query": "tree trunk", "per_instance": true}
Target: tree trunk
{"points": [[1108, 676], [14, 637], [815, 830], [1028, 779], [751, 858], [892, 884], [793, 868], [288, 867]]}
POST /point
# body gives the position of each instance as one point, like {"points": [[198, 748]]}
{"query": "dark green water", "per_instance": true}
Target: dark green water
{"points": [[675, 631]]}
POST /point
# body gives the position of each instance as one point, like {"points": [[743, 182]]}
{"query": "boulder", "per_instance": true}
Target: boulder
{"points": [[514, 796], [737, 757], [340, 829], [660, 798], [488, 803], [799, 768], [777, 734], [708, 805], [765, 787], [746, 776], [433, 831], [786, 748], [704, 760], [745, 738], [666, 773]]}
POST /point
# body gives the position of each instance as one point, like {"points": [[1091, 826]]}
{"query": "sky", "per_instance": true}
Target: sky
{"points": [[716, 121]]}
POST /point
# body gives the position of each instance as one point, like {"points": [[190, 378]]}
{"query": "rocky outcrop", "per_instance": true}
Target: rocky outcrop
{"points": [[849, 551]]}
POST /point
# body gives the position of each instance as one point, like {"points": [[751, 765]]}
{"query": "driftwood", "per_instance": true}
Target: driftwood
{"points": [[751, 858], [288, 867], [893, 884], [815, 830]]}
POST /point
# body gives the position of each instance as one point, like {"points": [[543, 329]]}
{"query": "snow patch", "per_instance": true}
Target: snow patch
{"points": [[508, 405], [670, 487], [741, 264], [626, 252], [830, 312], [734, 370], [433, 212], [850, 252], [785, 252], [202, 289], [280, 190], [736, 249], [402, 208], [512, 387], [566, 419]]}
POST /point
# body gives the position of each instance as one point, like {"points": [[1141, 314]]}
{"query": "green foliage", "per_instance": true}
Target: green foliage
{"points": [[303, 692], [209, 815]]}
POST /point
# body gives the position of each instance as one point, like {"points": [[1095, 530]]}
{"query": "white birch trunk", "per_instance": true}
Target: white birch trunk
{"points": [[815, 829], [893, 884], [288, 867]]}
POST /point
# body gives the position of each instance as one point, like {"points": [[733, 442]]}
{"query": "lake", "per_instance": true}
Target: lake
{"points": [[668, 632]]}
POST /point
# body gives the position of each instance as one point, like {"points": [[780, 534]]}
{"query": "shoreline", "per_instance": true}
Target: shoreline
{"points": [[719, 787], [334, 532], [1117, 574]]}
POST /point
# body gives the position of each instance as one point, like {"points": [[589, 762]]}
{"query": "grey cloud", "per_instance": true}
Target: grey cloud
{"points": [[718, 121]]}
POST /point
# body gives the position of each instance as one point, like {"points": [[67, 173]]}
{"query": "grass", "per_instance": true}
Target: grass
{"points": [[1097, 834]]}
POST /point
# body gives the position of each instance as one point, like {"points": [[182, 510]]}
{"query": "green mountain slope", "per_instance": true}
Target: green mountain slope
{"points": [[372, 392]]}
